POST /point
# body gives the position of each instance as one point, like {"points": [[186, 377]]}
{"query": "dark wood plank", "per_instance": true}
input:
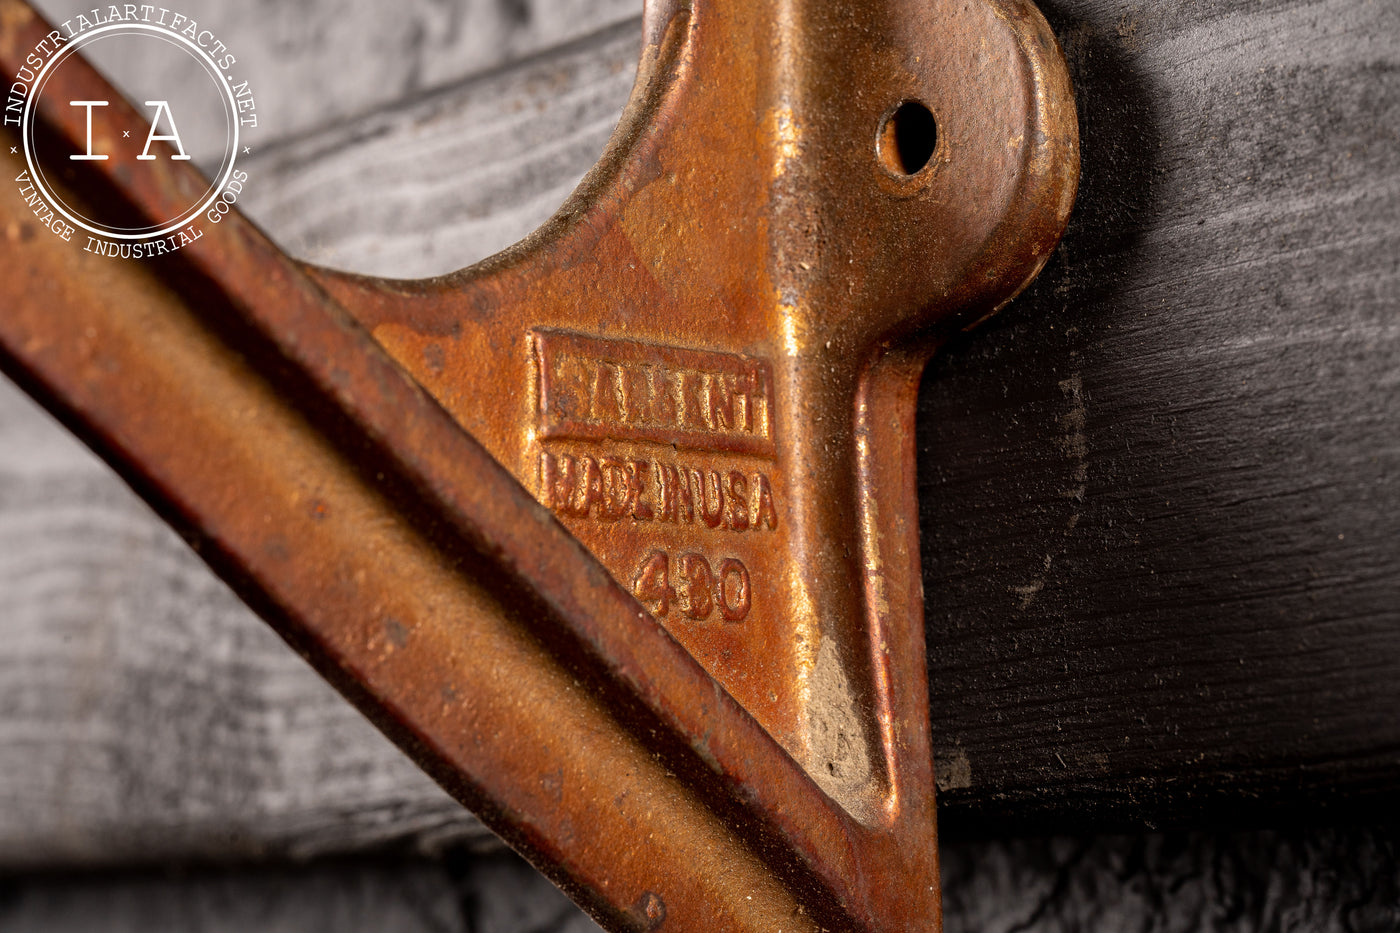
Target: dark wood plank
{"points": [[1198, 882], [1170, 883], [1161, 494], [417, 897]]}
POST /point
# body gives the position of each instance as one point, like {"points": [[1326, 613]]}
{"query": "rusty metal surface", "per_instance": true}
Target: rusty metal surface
{"points": [[615, 533]]}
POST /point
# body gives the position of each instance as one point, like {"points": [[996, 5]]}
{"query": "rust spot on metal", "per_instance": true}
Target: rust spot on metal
{"points": [[651, 909], [396, 632]]}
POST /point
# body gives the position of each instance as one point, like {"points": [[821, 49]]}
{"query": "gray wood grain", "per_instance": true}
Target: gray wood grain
{"points": [[428, 188], [317, 63]]}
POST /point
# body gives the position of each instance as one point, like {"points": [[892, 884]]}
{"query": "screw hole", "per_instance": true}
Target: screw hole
{"points": [[907, 139]]}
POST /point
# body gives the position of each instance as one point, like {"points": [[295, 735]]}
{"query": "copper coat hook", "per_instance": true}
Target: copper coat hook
{"points": [[615, 533]]}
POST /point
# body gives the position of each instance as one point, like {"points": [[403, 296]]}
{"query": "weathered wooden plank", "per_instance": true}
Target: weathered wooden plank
{"points": [[1161, 523], [1133, 482], [1242, 882], [414, 191], [1325, 880], [316, 63], [346, 898]]}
